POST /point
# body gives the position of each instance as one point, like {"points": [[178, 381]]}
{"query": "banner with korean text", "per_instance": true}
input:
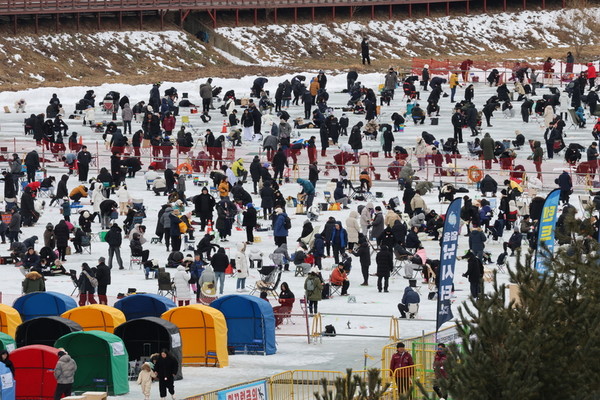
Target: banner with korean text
{"points": [[252, 391], [447, 261], [546, 227]]}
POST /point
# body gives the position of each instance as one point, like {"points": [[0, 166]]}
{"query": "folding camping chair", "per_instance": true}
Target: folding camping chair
{"points": [[73, 275], [585, 201], [359, 194], [135, 260], [86, 244], [166, 287], [575, 121], [185, 122], [270, 276]]}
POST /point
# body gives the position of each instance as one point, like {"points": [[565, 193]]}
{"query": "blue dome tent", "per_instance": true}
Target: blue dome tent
{"points": [[144, 305], [43, 304], [250, 323]]}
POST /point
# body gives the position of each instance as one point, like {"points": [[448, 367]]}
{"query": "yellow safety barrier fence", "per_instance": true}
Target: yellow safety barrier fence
{"points": [[303, 384]]}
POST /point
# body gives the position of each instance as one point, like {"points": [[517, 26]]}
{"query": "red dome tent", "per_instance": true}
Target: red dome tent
{"points": [[34, 371]]}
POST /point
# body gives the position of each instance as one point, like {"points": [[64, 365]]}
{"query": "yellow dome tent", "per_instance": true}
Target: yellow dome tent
{"points": [[96, 317], [10, 319], [203, 334]]}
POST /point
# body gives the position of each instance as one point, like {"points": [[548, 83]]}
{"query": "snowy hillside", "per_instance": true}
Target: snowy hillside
{"points": [[72, 57], [445, 36]]}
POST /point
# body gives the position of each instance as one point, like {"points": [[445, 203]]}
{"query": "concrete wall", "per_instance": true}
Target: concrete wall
{"points": [[193, 24]]}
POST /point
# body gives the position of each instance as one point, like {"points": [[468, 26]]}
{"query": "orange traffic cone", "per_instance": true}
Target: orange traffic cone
{"points": [[224, 129], [209, 228], [81, 140]]}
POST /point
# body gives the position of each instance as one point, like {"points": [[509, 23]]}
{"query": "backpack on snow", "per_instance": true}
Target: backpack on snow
{"points": [[329, 331]]}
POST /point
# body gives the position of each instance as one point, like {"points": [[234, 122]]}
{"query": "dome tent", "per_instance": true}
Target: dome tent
{"points": [[102, 361], [10, 319], [34, 371], [7, 342], [44, 330], [144, 305], [203, 334], [96, 317], [146, 336], [250, 323], [43, 304]]}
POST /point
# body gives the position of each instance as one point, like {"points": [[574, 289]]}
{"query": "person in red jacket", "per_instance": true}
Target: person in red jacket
{"points": [[438, 161], [465, 66], [168, 123], [439, 361], [402, 359], [591, 74]]}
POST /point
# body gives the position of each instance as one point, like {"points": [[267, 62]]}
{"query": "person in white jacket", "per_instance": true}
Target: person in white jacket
{"points": [[124, 199], [182, 286], [366, 216], [352, 229], [421, 152], [145, 379], [256, 258], [97, 196], [241, 265]]}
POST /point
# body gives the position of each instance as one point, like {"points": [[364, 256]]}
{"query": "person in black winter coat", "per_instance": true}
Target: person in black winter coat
{"points": [[255, 168], [327, 232], [84, 158], [249, 221], [61, 189], [355, 139], [363, 252], [279, 163], [103, 277], [565, 185], [86, 288], [267, 195], [307, 99], [219, 262], [388, 140], [412, 239], [169, 180], [204, 205], [32, 162], [106, 209], [488, 185], [399, 230], [9, 188], [28, 213], [166, 367], [61, 233], [385, 266], [114, 238], [474, 273]]}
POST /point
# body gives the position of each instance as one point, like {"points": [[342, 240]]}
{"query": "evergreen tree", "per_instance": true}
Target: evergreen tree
{"points": [[546, 345], [354, 388]]}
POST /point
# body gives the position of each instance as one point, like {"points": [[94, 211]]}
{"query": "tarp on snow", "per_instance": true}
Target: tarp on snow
{"points": [[203, 334], [34, 371], [250, 323], [146, 336], [7, 342], [43, 304], [44, 330], [144, 305], [96, 317], [102, 361], [10, 319]]}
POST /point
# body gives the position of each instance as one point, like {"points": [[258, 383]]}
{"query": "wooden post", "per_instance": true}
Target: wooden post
{"points": [[99, 20], [543, 4], [15, 24], [410, 10], [524, 5], [275, 15], [312, 14], [428, 10], [390, 12], [162, 19], [141, 20], [255, 16], [504, 6], [468, 7], [295, 15], [37, 26], [57, 22], [484, 6], [237, 17], [372, 12], [333, 13], [120, 19], [215, 18], [351, 12], [447, 8], [76, 19]]}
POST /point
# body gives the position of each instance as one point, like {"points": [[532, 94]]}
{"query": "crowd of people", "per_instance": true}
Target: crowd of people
{"points": [[194, 223]]}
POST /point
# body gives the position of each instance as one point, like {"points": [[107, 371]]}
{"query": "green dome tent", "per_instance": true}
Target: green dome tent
{"points": [[102, 361], [7, 342]]}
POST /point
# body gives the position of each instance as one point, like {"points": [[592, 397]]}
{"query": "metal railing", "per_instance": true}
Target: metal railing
{"points": [[12, 7]]}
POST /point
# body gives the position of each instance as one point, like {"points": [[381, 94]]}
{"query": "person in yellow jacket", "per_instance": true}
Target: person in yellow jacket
{"points": [[453, 84], [223, 188], [314, 88], [238, 170], [79, 192]]}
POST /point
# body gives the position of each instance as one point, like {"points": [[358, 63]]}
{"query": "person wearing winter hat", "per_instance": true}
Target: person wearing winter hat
{"points": [[64, 372], [313, 286], [249, 221]]}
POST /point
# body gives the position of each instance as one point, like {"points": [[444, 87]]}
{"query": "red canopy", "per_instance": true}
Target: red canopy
{"points": [[34, 371]]}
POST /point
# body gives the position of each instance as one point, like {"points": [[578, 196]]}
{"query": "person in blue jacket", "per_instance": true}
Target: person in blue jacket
{"points": [[280, 231], [339, 240], [309, 190], [409, 297]]}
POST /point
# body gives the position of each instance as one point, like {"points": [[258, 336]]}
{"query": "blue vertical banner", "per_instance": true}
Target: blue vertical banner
{"points": [[546, 227], [447, 261]]}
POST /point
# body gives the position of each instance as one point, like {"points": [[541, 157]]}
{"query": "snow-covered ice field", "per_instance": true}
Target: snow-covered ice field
{"points": [[293, 352]]}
